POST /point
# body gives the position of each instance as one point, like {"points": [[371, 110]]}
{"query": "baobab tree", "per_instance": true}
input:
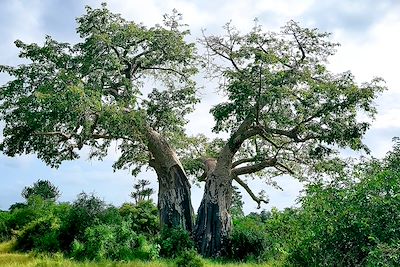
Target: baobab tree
{"points": [[94, 92], [285, 114]]}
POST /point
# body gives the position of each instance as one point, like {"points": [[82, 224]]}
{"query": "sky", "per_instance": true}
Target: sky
{"points": [[368, 31]]}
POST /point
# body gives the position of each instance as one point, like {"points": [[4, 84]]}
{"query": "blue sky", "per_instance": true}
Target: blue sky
{"points": [[368, 31]]}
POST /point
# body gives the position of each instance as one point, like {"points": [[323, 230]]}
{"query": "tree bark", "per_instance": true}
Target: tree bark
{"points": [[214, 223], [174, 196]]}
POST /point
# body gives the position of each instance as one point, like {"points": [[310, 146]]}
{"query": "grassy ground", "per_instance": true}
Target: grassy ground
{"points": [[10, 258]]}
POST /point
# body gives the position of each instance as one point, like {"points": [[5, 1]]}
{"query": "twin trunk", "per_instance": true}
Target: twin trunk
{"points": [[213, 224]]}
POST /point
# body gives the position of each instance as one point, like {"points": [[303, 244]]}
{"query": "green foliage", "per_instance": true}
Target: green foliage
{"points": [[69, 95], [174, 241], [141, 191], [189, 258], [5, 231], [284, 229], [42, 188], [113, 241], [86, 210], [348, 221], [248, 240], [294, 111], [40, 235], [236, 209], [144, 217], [34, 209], [384, 255], [17, 205]]}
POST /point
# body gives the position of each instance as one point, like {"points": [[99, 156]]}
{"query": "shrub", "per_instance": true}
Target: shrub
{"points": [[113, 241], [354, 219], [189, 258], [40, 235], [248, 239], [42, 188], [144, 215], [86, 210], [35, 208], [174, 241], [384, 255], [5, 231]]}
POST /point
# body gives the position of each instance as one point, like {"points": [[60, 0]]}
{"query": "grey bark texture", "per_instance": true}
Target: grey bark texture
{"points": [[174, 196], [214, 222]]}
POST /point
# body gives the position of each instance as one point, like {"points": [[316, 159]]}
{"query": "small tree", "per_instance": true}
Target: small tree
{"points": [[42, 188], [237, 203], [142, 193]]}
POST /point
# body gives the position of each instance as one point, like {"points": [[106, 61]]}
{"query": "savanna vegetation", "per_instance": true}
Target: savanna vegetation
{"points": [[284, 113]]}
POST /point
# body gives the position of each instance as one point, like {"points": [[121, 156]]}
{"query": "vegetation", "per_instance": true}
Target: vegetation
{"points": [[351, 219], [285, 113]]}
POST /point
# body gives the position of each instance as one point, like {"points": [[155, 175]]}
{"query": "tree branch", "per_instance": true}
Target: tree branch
{"points": [[241, 161], [55, 133], [248, 190], [303, 53], [255, 167], [284, 167], [165, 69]]}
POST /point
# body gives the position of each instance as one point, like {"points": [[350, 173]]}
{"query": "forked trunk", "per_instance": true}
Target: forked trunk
{"points": [[214, 223], [174, 197]]}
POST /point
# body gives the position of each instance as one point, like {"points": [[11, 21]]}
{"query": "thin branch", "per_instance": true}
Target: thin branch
{"points": [[285, 168], [248, 190], [55, 133], [303, 53], [165, 69]]}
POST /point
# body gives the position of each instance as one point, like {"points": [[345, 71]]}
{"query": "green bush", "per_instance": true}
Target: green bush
{"points": [[248, 240], [189, 258], [40, 235], [174, 241], [384, 255], [86, 210], [144, 215], [35, 208], [5, 231], [115, 242], [349, 221]]}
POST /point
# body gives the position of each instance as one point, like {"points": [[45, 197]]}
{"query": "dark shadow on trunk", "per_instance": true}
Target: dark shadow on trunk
{"points": [[174, 196], [174, 199], [214, 223]]}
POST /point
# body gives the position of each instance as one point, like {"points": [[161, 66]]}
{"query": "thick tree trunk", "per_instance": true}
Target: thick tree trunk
{"points": [[174, 197], [214, 223]]}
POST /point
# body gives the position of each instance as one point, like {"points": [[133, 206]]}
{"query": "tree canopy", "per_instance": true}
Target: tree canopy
{"points": [[42, 188], [284, 113], [95, 91]]}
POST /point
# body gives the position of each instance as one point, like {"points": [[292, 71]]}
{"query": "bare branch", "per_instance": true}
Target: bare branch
{"points": [[284, 167], [217, 52], [248, 190], [303, 53]]}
